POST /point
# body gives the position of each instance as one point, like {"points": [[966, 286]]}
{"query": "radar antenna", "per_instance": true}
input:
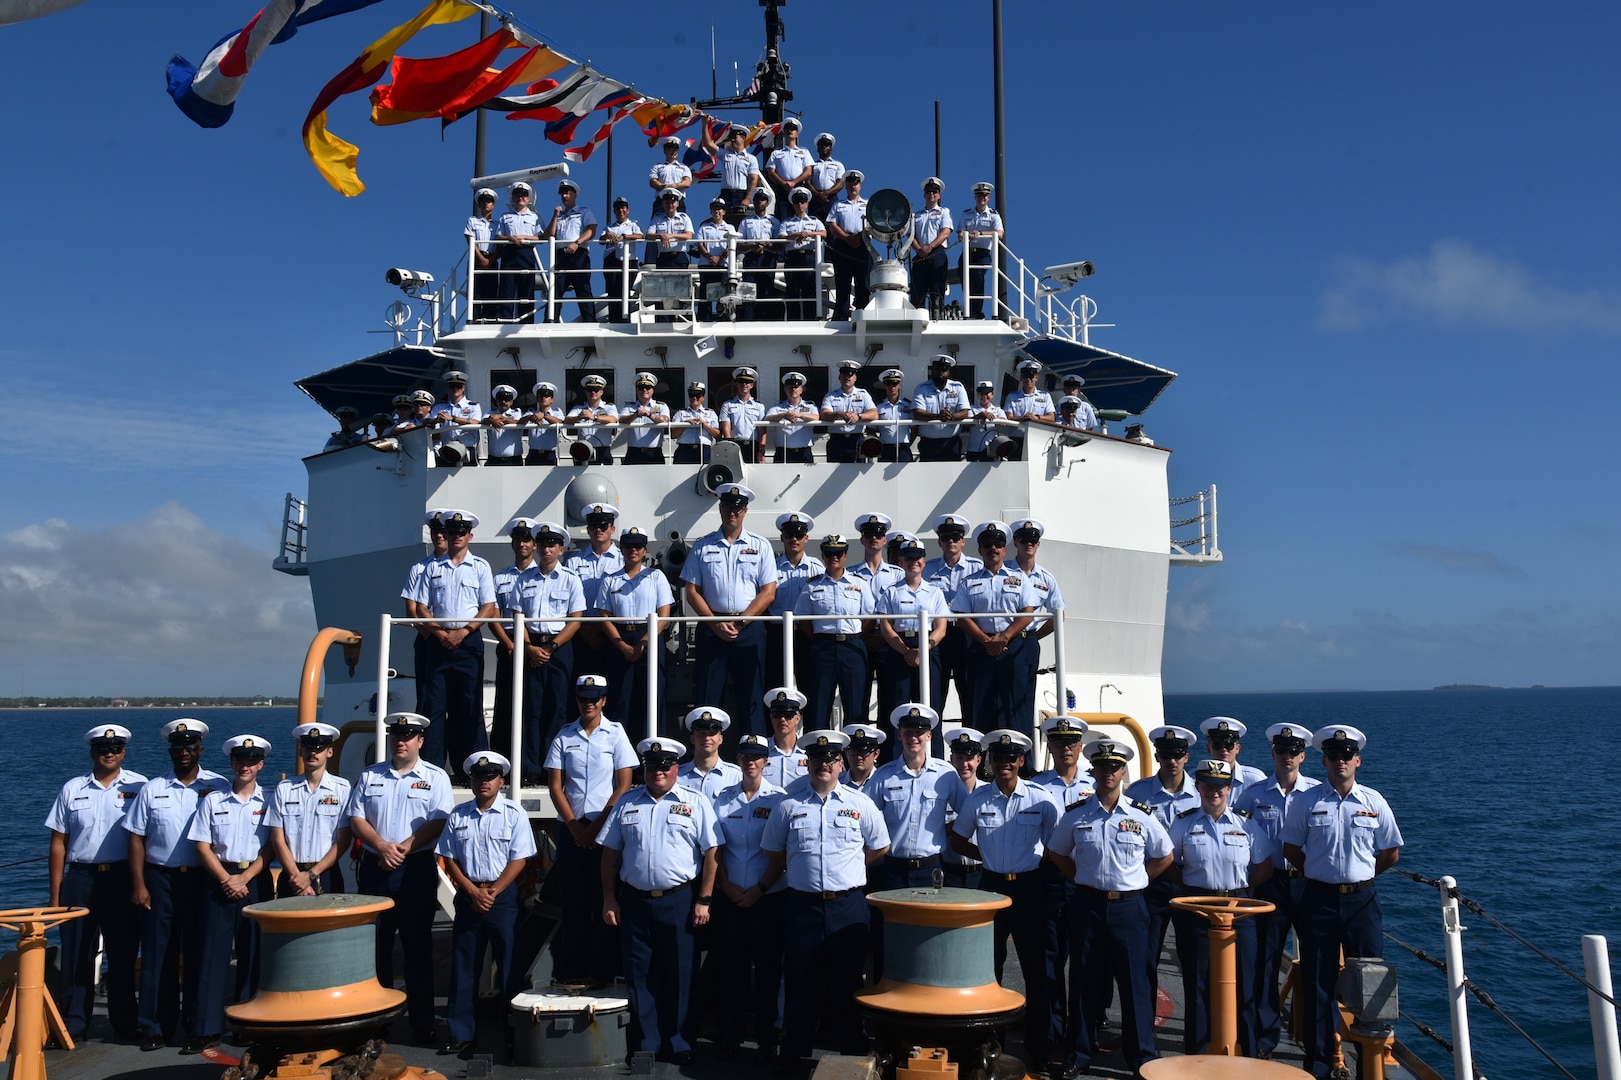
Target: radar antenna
{"points": [[769, 90]]}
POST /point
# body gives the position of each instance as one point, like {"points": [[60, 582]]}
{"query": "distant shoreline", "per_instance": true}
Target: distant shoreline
{"points": [[291, 704]]}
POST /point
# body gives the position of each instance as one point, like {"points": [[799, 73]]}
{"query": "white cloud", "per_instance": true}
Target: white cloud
{"points": [[159, 604], [1456, 284]]}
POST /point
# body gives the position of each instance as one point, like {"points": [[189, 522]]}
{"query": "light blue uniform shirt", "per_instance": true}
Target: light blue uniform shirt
{"points": [[506, 441], [1001, 595], [448, 413], [587, 417], [902, 599], [1341, 837], [92, 816], [730, 573], [933, 399], [397, 804], [1166, 804], [849, 215], [1049, 597], [742, 821], [1267, 806], [634, 598], [592, 568], [667, 226], [640, 430], [825, 172], [915, 804], [736, 166], [856, 401], [986, 220], [545, 596], [309, 819], [801, 233], [1086, 417], [887, 576], [981, 434], [571, 224], [825, 841], [662, 840], [454, 592], [1244, 777], [949, 579], [759, 227], [696, 436], [617, 248], [710, 238], [505, 580], [413, 578], [515, 223], [234, 827], [893, 434], [544, 436], [791, 580], [928, 224], [162, 815], [1009, 829], [1021, 405], [588, 763], [795, 424], [789, 161], [1110, 847], [783, 767], [1216, 853], [1065, 794], [670, 173], [742, 415], [826, 596], [711, 783], [483, 842], [479, 229]]}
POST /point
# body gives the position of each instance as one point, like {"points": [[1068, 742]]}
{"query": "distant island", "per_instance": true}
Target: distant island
{"points": [[178, 701], [1467, 686]]}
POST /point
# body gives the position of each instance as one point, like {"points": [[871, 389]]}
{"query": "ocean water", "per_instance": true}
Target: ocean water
{"points": [[1480, 782]]}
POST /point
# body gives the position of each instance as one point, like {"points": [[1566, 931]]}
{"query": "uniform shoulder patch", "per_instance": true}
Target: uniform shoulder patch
{"points": [[1144, 807], [1243, 813], [1078, 802], [1188, 813]]}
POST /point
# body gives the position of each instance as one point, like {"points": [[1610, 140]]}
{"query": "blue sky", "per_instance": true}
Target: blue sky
{"points": [[1377, 243]]}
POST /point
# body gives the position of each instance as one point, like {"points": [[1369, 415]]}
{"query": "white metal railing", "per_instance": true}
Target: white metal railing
{"points": [[787, 620], [1202, 545]]}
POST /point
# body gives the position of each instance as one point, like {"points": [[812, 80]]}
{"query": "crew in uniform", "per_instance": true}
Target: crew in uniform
{"points": [[741, 415], [705, 772], [166, 884], [454, 446], [966, 755], [755, 233], [838, 657], [658, 883], [981, 231], [486, 843], [861, 756], [1111, 848], [786, 760], [710, 244], [984, 430], [1267, 803], [521, 536], [506, 441], [822, 837], [619, 262], [794, 420], [306, 828], [847, 410], [588, 770], [1028, 403], [455, 589], [1219, 851], [644, 445], [592, 563], [878, 575], [1004, 824], [1168, 791], [672, 228], [827, 175], [230, 832], [909, 597], [1069, 785], [739, 170], [801, 231], [794, 570], [572, 227], [894, 439], [693, 443], [546, 593], [398, 809], [1222, 738], [942, 403], [89, 868], [947, 572], [485, 285], [731, 573], [790, 164], [629, 596], [546, 418], [1002, 598], [1343, 835], [931, 232], [747, 916], [592, 420], [518, 229], [846, 219]]}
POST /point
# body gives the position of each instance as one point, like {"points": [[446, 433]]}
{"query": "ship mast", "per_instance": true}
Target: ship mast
{"points": [[769, 91]]}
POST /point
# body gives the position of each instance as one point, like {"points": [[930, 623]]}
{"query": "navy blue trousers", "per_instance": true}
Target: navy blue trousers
{"points": [[470, 933], [1026, 923], [548, 695], [517, 286], [655, 935], [905, 683], [414, 888], [751, 945], [172, 929], [331, 881], [627, 686], [112, 916], [1331, 922], [1110, 937], [1271, 934], [826, 946], [450, 693], [836, 667], [585, 947], [224, 929], [1193, 955], [1058, 892], [573, 274], [733, 670], [1001, 693]]}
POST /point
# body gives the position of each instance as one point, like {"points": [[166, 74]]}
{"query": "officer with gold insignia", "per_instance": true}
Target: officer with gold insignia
{"points": [[486, 843], [822, 837], [89, 868], [1111, 848], [1268, 803], [1005, 824], [309, 834], [166, 884], [830, 606], [1343, 835], [1219, 851], [1222, 737], [230, 833], [658, 883]]}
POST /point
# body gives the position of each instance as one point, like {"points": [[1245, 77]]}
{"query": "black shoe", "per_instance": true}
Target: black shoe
{"points": [[126, 1034], [155, 1042], [681, 1057], [455, 1046], [198, 1043], [424, 1036], [1072, 1072]]}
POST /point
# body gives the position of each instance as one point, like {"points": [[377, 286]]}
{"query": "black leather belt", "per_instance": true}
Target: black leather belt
{"points": [[999, 876], [542, 639], [840, 637], [98, 867], [307, 865], [914, 864], [1195, 890], [1112, 894], [1343, 890], [656, 893], [826, 895], [910, 639], [1290, 871], [236, 865], [1028, 633]]}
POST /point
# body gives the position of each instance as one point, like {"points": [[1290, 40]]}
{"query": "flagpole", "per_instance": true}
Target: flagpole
{"points": [[478, 126], [1000, 143]]}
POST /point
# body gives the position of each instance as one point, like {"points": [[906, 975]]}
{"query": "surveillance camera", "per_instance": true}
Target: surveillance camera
{"points": [[408, 280], [1065, 275]]}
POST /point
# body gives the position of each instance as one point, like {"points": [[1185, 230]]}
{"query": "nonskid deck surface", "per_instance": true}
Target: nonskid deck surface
{"points": [[99, 1058]]}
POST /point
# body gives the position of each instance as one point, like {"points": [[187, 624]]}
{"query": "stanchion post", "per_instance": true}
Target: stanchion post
{"points": [[384, 633], [1452, 929], [1606, 1051], [519, 663], [651, 652]]}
